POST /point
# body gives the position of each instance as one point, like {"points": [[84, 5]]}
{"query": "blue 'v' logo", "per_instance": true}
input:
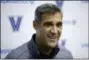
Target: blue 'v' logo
{"points": [[15, 23], [59, 4]]}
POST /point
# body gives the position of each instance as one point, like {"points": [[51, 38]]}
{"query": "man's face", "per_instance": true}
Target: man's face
{"points": [[49, 29]]}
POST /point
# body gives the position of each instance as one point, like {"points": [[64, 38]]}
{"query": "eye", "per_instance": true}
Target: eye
{"points": [[47, 24], [59, 24]]}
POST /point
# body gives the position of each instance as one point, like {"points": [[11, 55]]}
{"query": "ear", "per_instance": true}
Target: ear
{"points": [[35, 25]]}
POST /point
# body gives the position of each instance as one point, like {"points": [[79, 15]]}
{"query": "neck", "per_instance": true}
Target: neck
{"points": [[44, 50], [41, 47]]}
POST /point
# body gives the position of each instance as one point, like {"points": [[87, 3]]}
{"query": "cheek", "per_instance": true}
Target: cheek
{"points": [[60, 29], [46, 29], [44, 32], [59, 32]]}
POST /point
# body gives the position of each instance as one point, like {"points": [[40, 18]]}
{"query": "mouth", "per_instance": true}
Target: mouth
{"points": [[52, 37]]}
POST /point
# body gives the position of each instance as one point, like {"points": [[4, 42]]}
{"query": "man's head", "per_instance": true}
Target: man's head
{"points": [[48, 25]]}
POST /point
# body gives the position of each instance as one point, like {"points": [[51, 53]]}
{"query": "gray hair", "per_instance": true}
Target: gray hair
{"points": [[46, 8]]}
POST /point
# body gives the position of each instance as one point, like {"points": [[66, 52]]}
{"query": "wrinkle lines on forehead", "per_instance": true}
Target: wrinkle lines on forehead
{"points": [[52, 17]]}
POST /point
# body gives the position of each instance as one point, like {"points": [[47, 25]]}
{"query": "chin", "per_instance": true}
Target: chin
{"points": [[52, 45]]}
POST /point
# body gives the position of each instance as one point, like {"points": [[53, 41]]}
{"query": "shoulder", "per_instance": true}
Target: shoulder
{"points": [[20, 52], [64, 53]]}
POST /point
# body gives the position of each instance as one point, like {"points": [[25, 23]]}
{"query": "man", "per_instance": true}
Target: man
{"points": [[44, 43]]}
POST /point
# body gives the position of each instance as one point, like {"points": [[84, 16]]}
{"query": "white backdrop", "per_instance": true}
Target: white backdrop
{"points": [[75, 25]]}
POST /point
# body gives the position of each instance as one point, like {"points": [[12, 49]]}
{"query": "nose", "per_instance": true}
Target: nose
{"points": [[54, 30]]}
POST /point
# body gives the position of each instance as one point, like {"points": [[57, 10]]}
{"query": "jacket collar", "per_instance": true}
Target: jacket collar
{"points": [[33, 50]]}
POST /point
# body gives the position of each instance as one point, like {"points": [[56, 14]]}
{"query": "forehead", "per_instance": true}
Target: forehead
{"points": [[52, 17]]}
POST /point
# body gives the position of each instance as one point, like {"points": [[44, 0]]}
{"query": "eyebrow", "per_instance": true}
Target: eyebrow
{"points": [[51, 23], [59, 23], [48, 23]]}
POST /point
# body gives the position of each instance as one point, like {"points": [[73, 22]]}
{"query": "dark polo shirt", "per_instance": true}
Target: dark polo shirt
{"points": [[29, 50]]}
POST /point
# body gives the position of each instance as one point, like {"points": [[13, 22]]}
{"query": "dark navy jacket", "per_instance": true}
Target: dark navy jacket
{"points": [[29, 51]]}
